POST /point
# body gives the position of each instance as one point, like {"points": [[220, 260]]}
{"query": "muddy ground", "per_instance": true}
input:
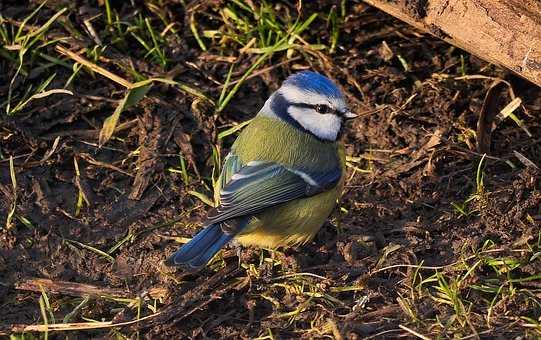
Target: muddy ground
{"points": [[416, 138]]}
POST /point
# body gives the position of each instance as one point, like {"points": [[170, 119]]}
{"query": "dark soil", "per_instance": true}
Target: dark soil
{"points": [[416, 8], [415, 135]]}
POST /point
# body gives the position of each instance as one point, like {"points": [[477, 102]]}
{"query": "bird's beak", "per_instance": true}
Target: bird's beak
{"points": [[349, 115]]}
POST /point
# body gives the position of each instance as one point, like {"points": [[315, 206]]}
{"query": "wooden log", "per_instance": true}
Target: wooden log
{"points": [[503, 32]]}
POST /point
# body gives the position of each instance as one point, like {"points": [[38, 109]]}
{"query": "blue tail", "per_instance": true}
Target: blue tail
{"points": [[201, 248]]}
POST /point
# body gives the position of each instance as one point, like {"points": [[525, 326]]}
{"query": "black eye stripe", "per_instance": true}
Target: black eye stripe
{"points": [[317, 107]]}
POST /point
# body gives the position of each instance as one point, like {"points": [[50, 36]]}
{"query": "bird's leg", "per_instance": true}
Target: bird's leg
{"points": [[238, 255], [238, 251]]}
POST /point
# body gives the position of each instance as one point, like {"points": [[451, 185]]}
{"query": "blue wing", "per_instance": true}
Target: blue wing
{"points": [[248, 190], [260, 185]]}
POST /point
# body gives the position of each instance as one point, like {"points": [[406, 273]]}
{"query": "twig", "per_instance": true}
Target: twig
{"points": [[411, 331], [92, 161], [77, 326], [69, 288]]}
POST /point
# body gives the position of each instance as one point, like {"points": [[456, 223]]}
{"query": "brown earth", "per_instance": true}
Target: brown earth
{"points": [[415, 135]]}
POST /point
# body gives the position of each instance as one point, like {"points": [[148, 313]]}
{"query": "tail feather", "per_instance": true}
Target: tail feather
{"points": [[205, 257], [201, 248]]}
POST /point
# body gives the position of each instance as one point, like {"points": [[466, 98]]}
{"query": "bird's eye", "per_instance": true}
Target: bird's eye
{"points": [[322, 109]]}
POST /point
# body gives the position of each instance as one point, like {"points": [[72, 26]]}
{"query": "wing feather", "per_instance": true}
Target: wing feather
{"points": [[249, 189]]}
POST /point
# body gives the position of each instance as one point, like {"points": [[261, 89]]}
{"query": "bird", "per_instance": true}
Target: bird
{"points": [[283, 175]]}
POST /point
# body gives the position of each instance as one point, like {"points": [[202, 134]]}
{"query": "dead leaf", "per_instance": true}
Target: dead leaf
{"points": [[487, 115]]}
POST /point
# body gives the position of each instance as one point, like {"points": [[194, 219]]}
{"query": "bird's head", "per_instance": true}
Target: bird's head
{"points": [[312, 103]]}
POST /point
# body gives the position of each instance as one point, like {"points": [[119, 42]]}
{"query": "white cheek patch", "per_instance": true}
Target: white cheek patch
{"points": [[326, 126]]}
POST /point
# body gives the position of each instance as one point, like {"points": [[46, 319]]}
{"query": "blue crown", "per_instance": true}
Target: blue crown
{"points": [[314, 82]]}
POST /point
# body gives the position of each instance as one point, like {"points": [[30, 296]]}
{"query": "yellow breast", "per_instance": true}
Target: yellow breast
{"points": [[292, 223]]}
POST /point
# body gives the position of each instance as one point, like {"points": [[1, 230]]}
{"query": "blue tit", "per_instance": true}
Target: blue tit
{"points": [[283, 175]]}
